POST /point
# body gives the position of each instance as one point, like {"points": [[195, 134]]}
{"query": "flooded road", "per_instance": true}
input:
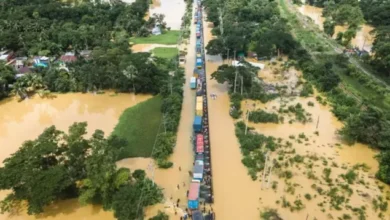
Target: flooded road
{"points": [[182, 157], [172, 9], [363, 37], [236, 196], [21, 121]]}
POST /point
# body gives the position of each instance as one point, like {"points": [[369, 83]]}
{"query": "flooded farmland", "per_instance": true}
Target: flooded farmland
{"points": [[363, 37], [21, 121], [322, 150], [172, 9]]}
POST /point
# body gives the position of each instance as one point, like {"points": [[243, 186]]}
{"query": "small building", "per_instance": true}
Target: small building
{"points": [[68, 57], [20, 62], [86, 54], [41, 61], [156, 30], [6, 55], [24, 70]]}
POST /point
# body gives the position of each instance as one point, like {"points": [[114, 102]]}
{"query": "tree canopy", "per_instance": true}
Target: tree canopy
{"points": [[249, 25], [59, 165]]}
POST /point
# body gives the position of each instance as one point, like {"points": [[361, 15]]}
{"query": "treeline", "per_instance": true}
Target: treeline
{"points": [[360, 116], [377, 14], [243, 84], [354, 13], [59, 165], [52, 27], [248, 25]]}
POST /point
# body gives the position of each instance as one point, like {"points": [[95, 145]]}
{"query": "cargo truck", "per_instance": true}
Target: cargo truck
{"points": [[193, 83], [197, 172], [193, 195], [197, 124]]}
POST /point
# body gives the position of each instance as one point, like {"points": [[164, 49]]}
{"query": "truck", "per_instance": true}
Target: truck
{"points": [[193, 83], [197, 215], [199, 144], [197, 172], [196, 72], [193, 195], [199, 88], [197, 34], [199, 157], [197, 124], [199, 108], [199, 63]]}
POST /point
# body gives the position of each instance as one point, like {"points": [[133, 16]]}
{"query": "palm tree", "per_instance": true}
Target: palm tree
{"points": [[19, 88], [131, 73]]}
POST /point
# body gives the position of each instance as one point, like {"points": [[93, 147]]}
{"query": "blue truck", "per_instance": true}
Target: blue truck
{"points": [[199, 63], [197, 124]]}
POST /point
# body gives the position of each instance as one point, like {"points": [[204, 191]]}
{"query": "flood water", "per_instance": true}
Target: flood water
{"points": [[182, 156], [172, 9], [363, 37], [236, 196], [21, 121]]}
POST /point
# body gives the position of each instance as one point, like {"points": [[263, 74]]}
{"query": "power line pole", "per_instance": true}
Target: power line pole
{"points": [[235, 77], [242, 82]]}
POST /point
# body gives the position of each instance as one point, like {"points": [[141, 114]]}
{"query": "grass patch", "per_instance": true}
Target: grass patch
{"points": [[169, 37], [139, 133], [165, 52]]}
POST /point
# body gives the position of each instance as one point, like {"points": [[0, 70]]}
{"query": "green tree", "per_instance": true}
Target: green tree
{"points": [[128, 202], [329, 27]]}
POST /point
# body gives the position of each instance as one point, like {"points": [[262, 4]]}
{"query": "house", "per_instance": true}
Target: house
{"points": [[40, 61], [6, 55], [24, 70], [252, 55], [156, 30], [20, 62], [68, 57], [86, 54]]}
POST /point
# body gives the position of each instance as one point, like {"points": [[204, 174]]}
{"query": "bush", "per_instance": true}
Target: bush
{"points": [[307, 90], [263, 117]]}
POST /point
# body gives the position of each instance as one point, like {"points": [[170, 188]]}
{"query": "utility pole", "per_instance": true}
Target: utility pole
{"points": [[235, 77], [151, 169], [247, 120], [228, 56], [242, 82], [318, 121]]}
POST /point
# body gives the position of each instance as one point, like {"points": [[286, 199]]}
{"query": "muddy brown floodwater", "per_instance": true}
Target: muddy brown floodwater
{"points": [[182, 156], [173, 10], [363, 37], [236, 196], [21, 121]]}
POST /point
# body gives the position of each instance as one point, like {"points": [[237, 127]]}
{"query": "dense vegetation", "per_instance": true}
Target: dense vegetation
{"points": [[249, 25], [52, 27], [377, 14], [59, 165], [353, 14], [261, 116]]}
